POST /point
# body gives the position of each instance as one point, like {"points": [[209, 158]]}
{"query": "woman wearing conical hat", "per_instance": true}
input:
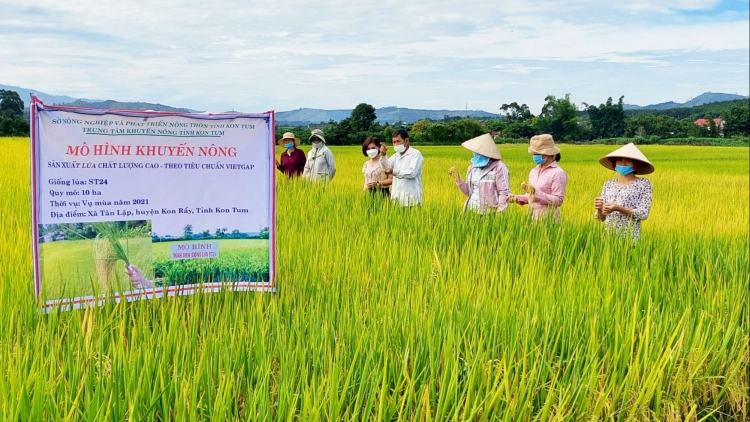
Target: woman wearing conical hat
{"points": [[626, 200], [487, 183], [545, 191]]}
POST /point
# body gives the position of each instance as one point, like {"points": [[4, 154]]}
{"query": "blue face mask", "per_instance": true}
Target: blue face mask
{"points": [[624, 170], [479, 160], [538, 159], [289, 145]]}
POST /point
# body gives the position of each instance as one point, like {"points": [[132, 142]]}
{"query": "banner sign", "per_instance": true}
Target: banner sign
{"points": [[133, 205]]}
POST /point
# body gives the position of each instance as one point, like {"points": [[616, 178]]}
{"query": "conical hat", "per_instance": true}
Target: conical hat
{"points": [[628, 151], [483, 145]]}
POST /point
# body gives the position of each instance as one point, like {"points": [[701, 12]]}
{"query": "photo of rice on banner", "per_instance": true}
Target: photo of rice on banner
{"points": [[83, 259], [131, 205]]}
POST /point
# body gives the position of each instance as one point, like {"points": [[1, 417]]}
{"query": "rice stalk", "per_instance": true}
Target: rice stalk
{"points": [[109, 232]]}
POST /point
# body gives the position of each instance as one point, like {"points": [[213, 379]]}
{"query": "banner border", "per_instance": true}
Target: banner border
{"points": [[75, 302]]}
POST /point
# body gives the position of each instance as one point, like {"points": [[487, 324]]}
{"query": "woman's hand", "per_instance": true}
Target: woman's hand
{"points": [[510, 199], [599, 203], [137, 279], [453, 173], [371, 185], [609, 208]]}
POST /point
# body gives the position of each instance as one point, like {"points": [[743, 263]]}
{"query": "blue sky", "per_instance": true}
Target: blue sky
{"points": [[262, 55]]}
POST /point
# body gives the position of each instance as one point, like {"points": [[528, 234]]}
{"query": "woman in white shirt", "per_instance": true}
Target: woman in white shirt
{"points": [[377, 182]]}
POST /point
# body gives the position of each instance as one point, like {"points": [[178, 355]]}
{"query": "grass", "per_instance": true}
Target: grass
{"points": [[429, 314]]}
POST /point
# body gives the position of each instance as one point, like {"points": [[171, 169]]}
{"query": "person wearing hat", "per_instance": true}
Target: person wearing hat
{"points": [[292, 159], [626, 200], [547, 181], [487, 183], [320, 165]]}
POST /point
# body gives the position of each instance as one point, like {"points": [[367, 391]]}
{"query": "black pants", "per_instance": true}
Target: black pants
{"points": [[386, 192]]}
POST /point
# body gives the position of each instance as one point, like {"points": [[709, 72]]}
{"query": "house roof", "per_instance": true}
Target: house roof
{"points": [[704, 122]]}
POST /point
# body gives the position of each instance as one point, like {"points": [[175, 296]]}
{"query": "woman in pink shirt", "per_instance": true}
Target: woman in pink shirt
{"points": [[546, 188], [487, 183]]}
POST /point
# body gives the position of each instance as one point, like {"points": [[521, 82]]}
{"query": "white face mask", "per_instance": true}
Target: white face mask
{"points": [[317, 144], [372, 153], [399, 148]]}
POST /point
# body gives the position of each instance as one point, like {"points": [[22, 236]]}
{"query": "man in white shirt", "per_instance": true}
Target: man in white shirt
{"points": [[319, 165], [406, 167]]}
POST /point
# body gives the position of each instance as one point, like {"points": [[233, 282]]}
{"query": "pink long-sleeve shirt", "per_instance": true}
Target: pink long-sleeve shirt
{"points": [[549, 183]]}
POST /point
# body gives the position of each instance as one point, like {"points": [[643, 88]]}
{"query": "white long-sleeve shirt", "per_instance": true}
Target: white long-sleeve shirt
{"points": [[407, 177], [320, 164]]}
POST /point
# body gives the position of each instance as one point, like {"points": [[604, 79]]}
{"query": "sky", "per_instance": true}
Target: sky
{"points": [[435, 54]]}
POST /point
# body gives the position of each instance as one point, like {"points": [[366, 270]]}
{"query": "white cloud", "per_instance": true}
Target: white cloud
{"points": [[253, 54], [518, 69]]}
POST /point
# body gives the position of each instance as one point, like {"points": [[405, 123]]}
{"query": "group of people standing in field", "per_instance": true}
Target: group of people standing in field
{"points": [[623, 203]]}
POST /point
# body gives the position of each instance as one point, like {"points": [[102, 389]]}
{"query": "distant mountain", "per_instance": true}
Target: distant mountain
{"points": [[311, 115], [117, 105], [305, 116], [25, 94], [705, 98]]}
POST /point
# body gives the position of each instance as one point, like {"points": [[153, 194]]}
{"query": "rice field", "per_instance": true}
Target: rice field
{"points": [[416, 315]]}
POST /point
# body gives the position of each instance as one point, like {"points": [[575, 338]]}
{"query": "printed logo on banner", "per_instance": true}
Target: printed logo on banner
{"points": [[123, 200]]}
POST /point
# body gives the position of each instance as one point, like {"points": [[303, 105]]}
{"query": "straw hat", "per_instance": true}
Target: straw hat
{"points": [[317, 133], [628, 151], [543, 145], [483, 145], [289, 135]]}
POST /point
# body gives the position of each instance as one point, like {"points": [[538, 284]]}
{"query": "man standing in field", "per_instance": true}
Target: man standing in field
{"points": [[406, 167]]}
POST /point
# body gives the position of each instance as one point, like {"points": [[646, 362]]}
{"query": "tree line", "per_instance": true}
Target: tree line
{"points": [[12, 121], [559, 117]]}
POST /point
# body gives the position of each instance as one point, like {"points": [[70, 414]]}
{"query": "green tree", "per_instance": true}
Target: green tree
{"points": [[264, 233], [363, 117], [519, 130], [441, 133], [387, 133], [187, 232], [16, 126], [354, 129], [419, 127], [607, 120], [737, 120], [11, 105], [515, 113], [558, 118], [466, 129], [494, 125], [712, 130], [338, 133]]}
